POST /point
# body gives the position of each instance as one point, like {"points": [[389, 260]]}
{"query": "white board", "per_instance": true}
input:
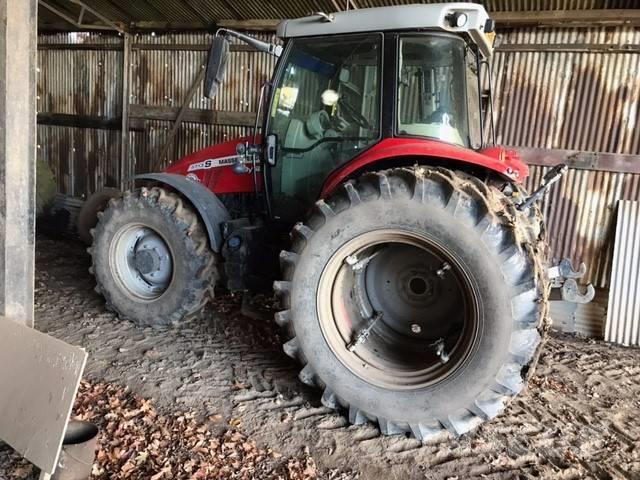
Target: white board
{"points": [[39, 379]]}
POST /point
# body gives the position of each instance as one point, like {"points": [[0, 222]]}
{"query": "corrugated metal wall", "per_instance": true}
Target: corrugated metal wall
{"points": [[548, 99], [567, 99], [80, 82], [163, 78], [576, 101], [623, 322], [89, 82]]}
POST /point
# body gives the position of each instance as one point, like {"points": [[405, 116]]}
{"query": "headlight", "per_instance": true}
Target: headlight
{"points": [[458, 19]]}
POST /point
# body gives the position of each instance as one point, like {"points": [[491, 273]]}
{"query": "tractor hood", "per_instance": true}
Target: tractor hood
{"points": [[213, 167], [223, 153]]}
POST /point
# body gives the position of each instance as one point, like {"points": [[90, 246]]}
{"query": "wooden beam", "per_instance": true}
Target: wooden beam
{"points": [[126, 169], [80, 46], [568, 47], [607, 162], [567, 18], [258, 24], [195, 115], [79, 121], [189, 47]]}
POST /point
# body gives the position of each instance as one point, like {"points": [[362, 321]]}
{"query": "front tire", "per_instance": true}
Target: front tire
{"points": [[151, 258], [415, 298]]}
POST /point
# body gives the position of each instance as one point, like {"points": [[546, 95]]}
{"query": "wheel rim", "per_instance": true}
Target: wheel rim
{"points": [[141, 261], [398, 309]]}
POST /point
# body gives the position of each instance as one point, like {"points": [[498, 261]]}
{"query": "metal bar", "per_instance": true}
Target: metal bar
{"points": [[568, 47], [176, 125], [567, 18], [607, 162], [125, 174], [18, 25]]}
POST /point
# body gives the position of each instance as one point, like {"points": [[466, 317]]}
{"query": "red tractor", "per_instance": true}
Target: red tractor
{"points": [[412, 266]]}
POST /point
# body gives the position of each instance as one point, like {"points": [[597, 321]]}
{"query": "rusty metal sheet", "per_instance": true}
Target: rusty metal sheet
{"points": [[623, 318], [39, 379], [581, 101]]}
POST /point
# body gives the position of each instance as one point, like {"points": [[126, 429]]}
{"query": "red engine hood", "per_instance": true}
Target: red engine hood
{"points": [[220, 150], [212, 166]]}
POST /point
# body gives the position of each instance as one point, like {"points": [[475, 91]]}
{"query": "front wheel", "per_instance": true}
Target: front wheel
{"points": [[415, 298], [151, 259]]}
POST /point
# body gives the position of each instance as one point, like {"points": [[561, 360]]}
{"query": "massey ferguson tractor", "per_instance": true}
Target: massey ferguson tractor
{"points": [[410, 263]]}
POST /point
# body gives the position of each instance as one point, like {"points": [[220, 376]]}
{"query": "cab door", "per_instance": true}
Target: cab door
{"points": [[324, 112]]}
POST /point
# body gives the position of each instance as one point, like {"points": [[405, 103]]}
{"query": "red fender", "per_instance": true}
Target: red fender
{"points": [[502, 161]]}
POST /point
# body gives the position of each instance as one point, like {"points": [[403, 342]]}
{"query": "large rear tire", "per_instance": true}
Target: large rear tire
{"points": [[151, 258], [415, 298]]}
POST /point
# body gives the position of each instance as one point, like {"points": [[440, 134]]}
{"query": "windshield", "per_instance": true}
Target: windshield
{"points": [[325, 111], [434, 74]]}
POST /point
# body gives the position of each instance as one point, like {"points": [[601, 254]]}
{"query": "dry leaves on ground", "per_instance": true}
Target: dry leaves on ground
{"points": [[137, 442]]}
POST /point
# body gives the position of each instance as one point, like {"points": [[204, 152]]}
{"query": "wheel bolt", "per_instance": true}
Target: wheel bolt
{"points": [[443, 269], [415, 328]]}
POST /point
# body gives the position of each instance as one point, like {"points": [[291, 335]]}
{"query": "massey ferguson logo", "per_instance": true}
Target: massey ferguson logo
{"points": [[213, 163], [218, 163]]}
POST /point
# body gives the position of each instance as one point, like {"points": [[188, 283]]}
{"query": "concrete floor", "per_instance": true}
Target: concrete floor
{"points": [[579, 417]]}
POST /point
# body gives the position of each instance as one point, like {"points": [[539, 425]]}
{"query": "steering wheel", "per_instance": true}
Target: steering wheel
{"points": [[354, 115]]}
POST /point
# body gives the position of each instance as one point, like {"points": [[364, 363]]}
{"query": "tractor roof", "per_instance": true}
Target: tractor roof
{"points": [[439, 16]]}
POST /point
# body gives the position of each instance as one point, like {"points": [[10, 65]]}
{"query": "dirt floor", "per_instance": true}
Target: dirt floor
{"points": [[579, 417]]}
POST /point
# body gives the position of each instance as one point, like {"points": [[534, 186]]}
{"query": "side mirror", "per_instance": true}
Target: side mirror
{"points": [[216, 66]]}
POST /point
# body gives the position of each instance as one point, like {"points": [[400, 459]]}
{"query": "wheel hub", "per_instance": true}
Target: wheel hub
{"points": [[147, 261], [396, 309], [143, 262]]}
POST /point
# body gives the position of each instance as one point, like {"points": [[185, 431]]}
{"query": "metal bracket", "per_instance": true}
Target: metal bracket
{"points": [[552, 176], [565, 269], [571, 293], [363, 333], [564, 278]]}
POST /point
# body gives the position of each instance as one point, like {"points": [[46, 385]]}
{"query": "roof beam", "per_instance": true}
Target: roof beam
{"points": [[78, 23], [567, 18]]}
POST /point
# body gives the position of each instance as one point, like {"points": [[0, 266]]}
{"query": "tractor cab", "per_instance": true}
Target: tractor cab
{"points": [[348, 81]]}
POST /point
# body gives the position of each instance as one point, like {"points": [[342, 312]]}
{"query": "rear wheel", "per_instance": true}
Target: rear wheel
{"points": [[88, 216], [415, 298], [151, 258]]}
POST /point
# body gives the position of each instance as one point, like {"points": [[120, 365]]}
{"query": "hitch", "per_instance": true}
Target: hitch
{"points": [[548, 180], [564, 285]]}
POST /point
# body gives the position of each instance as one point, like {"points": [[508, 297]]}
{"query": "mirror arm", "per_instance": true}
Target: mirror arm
{"points": [[270, 48]]}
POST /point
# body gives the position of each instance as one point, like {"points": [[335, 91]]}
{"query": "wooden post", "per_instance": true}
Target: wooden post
{"points": [[126, 167], [18, 27]]}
